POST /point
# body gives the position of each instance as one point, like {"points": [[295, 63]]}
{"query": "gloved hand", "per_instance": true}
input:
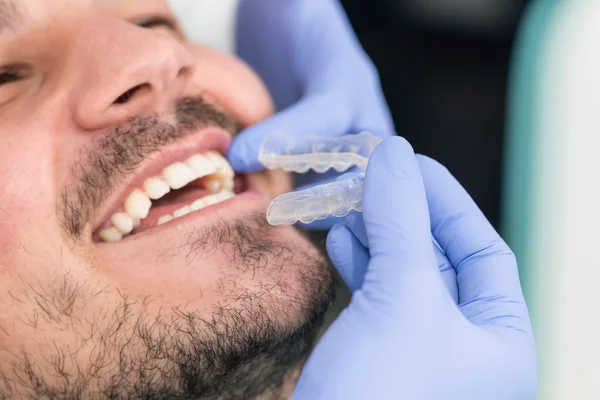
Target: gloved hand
{"points": [[321, 79], [402, 336]]}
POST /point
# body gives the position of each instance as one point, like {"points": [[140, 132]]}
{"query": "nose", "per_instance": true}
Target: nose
{"points": [[118, 70]]}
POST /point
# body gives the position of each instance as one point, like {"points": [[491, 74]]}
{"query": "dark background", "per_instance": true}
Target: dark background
{"points": [[444, 68]]}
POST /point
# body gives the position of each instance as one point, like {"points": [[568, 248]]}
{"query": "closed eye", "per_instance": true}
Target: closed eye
{"points": [[12, 73], [157, 21]]}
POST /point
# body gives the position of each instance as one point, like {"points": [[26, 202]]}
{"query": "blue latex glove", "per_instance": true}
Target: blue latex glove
{"points": [[403, 336], [321, 79]]}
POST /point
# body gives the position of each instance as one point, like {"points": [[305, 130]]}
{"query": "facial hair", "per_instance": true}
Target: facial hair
{"points": [[239, 352]]}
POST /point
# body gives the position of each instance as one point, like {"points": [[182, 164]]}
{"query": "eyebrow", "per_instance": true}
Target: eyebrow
{"points": [[9, 15]]}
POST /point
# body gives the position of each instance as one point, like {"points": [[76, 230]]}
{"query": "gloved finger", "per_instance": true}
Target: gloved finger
{"points": [[355, 222], [486, 268], [313, 115], [348, 255], [395, 207], [448, 273], [397, 224]]}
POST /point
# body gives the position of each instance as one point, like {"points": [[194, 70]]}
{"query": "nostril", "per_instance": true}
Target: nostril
{"points": [[184, 71], [125, 97]]}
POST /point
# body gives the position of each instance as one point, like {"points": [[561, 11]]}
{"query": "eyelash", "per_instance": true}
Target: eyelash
{"points": [[10, 74], [154, 22]]}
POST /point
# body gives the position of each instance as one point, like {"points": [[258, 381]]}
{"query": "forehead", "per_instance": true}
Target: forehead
{"points": [[15, 13]]}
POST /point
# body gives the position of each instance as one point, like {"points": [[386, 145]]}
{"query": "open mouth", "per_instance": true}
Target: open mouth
{"points": [[200, 181]]}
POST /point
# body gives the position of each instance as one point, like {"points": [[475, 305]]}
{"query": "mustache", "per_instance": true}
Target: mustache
{"points": [[119, 152]]}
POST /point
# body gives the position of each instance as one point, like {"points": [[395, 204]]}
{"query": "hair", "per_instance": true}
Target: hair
{"points": [[238, 352]]}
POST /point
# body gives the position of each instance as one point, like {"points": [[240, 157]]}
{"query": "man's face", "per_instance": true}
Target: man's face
{"points": [[103, 105]]}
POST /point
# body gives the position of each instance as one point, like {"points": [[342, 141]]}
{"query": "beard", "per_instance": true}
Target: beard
{"points": [[251, 344], [248, 344]]}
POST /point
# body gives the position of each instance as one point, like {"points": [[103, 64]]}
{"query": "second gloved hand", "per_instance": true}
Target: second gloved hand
{"points": [[403, 336], [321, 79]]}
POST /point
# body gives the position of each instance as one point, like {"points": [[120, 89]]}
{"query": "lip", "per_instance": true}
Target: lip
{"points": [[214, 138]]}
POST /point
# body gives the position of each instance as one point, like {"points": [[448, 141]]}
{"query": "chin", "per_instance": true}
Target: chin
{"points": [[231, 304]]}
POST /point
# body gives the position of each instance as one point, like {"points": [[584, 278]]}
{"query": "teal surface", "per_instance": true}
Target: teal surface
{"points": [[521, 154]]}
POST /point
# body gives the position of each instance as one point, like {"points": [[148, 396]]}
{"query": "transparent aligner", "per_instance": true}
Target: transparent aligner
{"points": [[319, 153], [336, 198]]}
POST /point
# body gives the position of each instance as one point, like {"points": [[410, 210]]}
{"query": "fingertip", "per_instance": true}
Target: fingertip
{"points": [[355, 222], [391, 166], [348, 255], [394, 202], [336, 235], [392, 150], [243, 156], [393, 160], [432, 168]]}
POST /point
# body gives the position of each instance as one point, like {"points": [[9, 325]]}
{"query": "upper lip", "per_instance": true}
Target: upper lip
{"points": [[212, 138]]}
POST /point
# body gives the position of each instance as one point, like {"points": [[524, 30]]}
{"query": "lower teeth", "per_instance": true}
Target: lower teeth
{"points": [[111, 234]]}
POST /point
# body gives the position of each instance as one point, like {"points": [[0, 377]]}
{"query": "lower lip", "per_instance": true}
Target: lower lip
{"points": [[249, 200]]}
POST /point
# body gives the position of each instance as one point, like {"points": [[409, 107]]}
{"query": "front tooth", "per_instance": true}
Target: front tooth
{"points": [[223, 166], [137, 205], [198, 205], [123, 222], [182, 211], [212, 199], [164, 219], [178, 175], [110, 235], [156, 188], [226, 195], [201, 166], [137, 223]]}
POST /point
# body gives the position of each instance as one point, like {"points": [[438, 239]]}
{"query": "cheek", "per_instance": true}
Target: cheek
{"points": [[27, 196], [232, 84]]}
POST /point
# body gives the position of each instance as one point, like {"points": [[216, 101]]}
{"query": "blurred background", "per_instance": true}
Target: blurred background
{"points": [[444, 69], [505, 93]]}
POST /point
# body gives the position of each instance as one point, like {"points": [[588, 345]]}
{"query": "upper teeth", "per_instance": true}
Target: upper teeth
{"points": [[221, 163], [156, 188], [137, 205], [178, 175], [202, 166], [123, 222]]}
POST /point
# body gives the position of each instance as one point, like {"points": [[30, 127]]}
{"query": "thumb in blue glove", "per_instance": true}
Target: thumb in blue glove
{"points": [[403, 335]]}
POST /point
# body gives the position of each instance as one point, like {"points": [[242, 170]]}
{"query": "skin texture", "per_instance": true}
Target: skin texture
{"points": [[216, 305]]}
